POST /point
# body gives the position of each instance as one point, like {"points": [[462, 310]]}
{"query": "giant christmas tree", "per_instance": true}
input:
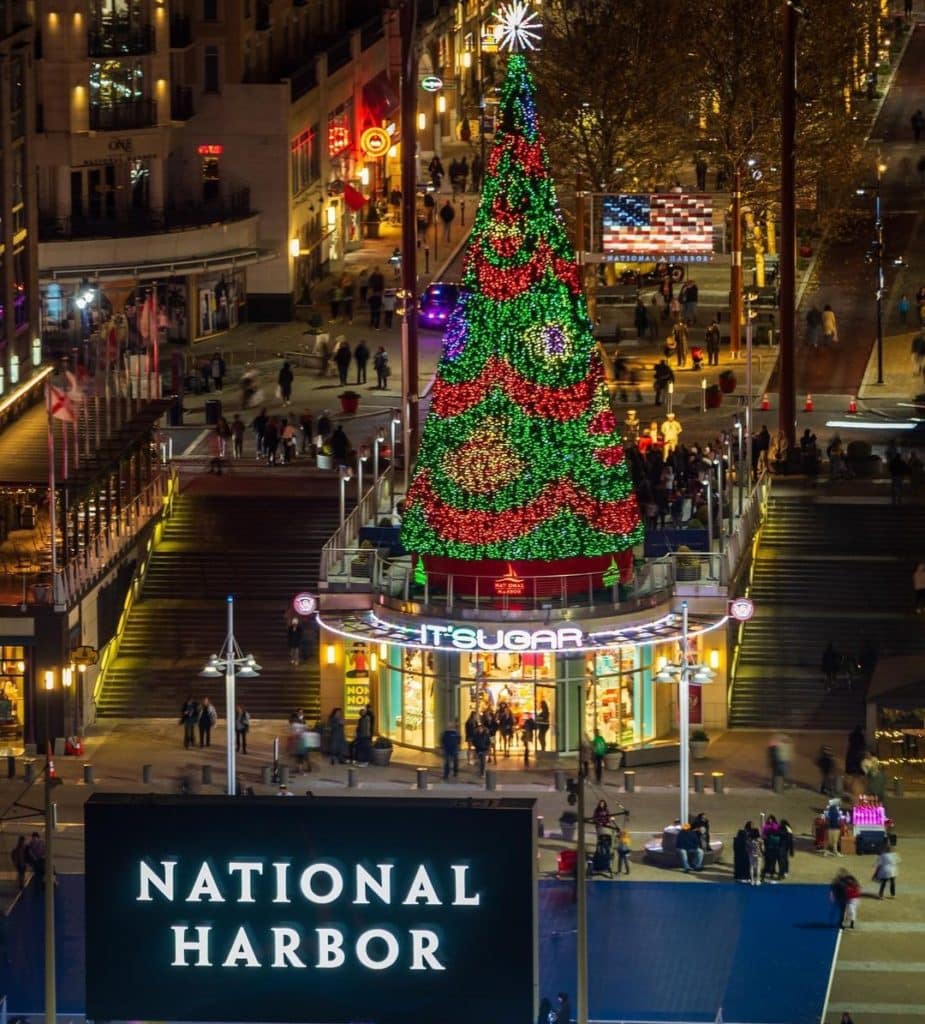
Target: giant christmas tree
{"points": [[520, 459]]}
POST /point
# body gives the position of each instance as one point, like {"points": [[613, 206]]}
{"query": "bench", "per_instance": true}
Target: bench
{"points": [[662, 852]]}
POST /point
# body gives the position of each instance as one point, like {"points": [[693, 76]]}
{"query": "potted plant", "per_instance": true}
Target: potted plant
{"points": [[324, 459], [727, 382], [699, 743], [613, 759], [568, 825], [381, 752], [349, 400], [713, 396], [687, 565]]}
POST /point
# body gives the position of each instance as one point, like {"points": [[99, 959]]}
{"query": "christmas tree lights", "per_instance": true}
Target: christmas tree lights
{"points": [[520, 458]]}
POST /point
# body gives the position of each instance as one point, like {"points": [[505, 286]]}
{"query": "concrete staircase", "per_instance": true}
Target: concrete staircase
{"points": [[263, 550], [826, 570]]}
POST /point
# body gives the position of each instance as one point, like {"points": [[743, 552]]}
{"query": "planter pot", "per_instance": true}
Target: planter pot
{"points": [[699, 749], [806, 251], [380, 756], [727, 382], [714, 397], [324, 461], [349, 405], [612, 762], [568, 830]]}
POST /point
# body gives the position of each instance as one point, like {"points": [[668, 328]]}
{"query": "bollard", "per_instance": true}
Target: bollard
{"points": [[353, 779], [698, 782], [559, 776], [147, 773], [284, 774], [207, 775], [629, 782], [266, 774], [777, 784], [491, 779], [28, 769], [10, 766], [88, 774], [422, 778], [899, 786], [719, 783], [540, 827]]}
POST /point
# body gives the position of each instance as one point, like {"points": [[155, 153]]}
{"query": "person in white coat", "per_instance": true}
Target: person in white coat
{"points": [[886, 870]]}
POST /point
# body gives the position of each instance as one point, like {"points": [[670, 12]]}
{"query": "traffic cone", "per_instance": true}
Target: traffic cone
{"points": [[765, 403], [808, 404], [853, 404]]}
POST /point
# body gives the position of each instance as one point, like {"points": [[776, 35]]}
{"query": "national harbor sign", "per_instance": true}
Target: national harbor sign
{"points": [[318, 909]]}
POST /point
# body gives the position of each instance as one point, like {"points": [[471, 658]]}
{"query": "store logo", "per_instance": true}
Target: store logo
{"points": [[510, 584], [466, 638]]}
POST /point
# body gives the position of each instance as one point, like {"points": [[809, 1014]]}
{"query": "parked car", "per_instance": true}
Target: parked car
{"points": [[437, 303]]}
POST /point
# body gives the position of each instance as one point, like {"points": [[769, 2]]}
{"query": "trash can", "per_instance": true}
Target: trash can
{"points": [[175, 413], [213, 411]]}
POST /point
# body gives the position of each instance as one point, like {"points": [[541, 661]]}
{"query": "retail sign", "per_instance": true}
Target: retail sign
{"points": [[742, 609], [375, 142], [327, 910], [210, 149], [510, 584], [431, 83], [305, 604], [470, 638]]}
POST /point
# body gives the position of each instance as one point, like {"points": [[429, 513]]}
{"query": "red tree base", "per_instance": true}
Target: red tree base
{"points": [[497, 578]]}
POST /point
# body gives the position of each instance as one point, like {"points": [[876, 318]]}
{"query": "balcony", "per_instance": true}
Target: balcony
{"points": [[120, 117], [184, 213], [181, 34], [181, 103], [120, 40]]}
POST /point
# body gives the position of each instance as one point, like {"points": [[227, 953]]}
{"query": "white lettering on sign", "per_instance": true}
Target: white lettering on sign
{"points": [[467, 638]]}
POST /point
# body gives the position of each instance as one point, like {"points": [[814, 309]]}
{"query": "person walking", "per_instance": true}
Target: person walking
{"points": [[640, 320], [838, 894], [217, 370], [361, 356], [542, 723], [337, 737], [271, 440], [284, 381], [189, 716], [449, 744], [381, 366], [340, 446], [237, 436], [712, 338], [833, 818], [342, 359], [481, 743], [903, 307], [447, 216], [829, 326], [207, 718], [598, 751], [770, 868], [389, 302], [348, 287], [852, 896], [624, 846], [20, 858], [755, 856], [35, 852], [375, 310], [363, 738], [787, 848], [259, 426], [740, 869], [242, 726], [294, 640], [884, 870]]}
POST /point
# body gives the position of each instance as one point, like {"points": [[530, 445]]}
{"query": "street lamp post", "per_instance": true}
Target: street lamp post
{"points": [[51, 995], [720, 490], [879, 228], [344, 473], [744, 467], [750, 297], [378, 440], [233, 663], [684, 673], [362, 456], [393, 429]]}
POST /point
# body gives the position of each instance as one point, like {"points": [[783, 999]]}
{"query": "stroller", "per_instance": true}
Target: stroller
{"points": [[601, 860]]}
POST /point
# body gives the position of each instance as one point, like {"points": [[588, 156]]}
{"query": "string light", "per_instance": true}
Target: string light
{"points": [[521, 456]]}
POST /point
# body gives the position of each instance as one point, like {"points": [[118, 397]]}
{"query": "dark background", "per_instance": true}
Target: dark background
{"points": [[488, 951]]}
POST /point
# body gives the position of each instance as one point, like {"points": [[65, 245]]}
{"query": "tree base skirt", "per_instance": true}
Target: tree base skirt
{"points": [[496, 578]]}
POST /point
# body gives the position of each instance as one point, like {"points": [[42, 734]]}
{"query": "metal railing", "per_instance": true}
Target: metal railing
{"points": [[106, 545], [345, 537], [115, 40], [746, 525], [116, 117]]}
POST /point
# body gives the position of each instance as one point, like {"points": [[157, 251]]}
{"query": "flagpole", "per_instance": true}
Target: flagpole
{"points": [[52, 500]]}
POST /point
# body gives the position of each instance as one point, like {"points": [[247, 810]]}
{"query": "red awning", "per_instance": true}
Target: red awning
{"points": [[355, 200]]}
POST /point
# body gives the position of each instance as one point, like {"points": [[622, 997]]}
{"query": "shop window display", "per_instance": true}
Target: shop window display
{"points": [[612, 681], [407, 697], [12, 693]]}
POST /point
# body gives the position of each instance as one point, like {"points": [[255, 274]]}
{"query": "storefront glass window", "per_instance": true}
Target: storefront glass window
{"points": [[12, 691], [613, 694], [407, 697], [115, 81]]}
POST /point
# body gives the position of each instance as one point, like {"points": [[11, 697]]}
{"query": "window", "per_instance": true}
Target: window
{"points": [[210, 10], [114, 82], [210, 81], [211, 179], [305, 162], [339, 129]]}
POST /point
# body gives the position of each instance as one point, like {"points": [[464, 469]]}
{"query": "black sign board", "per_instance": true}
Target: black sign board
{"points": [[322, 910]]}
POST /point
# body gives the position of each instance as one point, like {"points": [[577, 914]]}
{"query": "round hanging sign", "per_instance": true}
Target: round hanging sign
{"points": [[375, 142], [431, 83], [305, 604], [742, 609]]}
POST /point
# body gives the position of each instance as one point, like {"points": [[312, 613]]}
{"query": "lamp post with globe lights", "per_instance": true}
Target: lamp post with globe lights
{"points": [[232, 663]]}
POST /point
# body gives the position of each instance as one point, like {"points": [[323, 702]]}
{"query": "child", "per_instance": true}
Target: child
{"points": [[623, 850], [755, 856], [852, 895]]}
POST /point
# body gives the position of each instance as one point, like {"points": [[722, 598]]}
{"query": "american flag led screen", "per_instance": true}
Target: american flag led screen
{"points": [[676, 224]]}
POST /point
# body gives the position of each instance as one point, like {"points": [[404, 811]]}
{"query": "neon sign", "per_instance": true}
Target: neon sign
{"points": [[467, 638], [210, 149], [510, 584]]}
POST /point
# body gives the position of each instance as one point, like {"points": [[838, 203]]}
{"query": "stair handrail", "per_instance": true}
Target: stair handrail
{"points": [[110, 651], [346, 535]]}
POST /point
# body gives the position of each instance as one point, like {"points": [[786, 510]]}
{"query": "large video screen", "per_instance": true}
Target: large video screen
{"points": [[326, 910], [665, 225]]}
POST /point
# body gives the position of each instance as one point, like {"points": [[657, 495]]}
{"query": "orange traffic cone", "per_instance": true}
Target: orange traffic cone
{"points": [[853, 404], [765, 403], [808, 404]]}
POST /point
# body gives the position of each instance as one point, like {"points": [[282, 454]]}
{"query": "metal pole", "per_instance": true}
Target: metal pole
{"points": [[710, 509], [360, 461], [720, 489], [392, 426], [879, 227], [581, 884], [748, 389], [744, 467], [684, 719], [787, 380], [343, 497], [735, 269], [51, 996], [230, 701]]}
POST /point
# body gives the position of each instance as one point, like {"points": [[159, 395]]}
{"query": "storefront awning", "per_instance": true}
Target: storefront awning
{"points": [[380, 96], [559, 637], [228, 259]]}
